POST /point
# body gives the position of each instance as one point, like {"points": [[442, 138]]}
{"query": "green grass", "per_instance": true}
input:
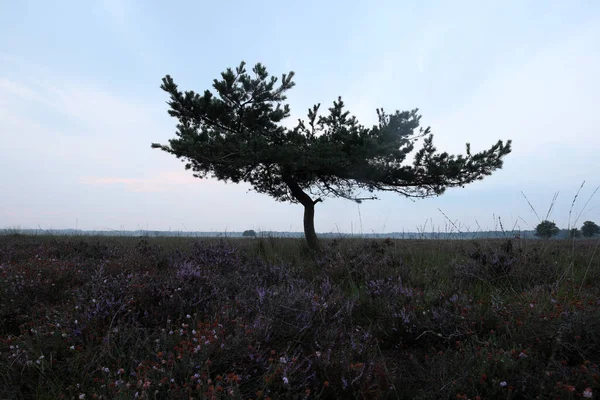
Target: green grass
{"points": [[112, 317]]}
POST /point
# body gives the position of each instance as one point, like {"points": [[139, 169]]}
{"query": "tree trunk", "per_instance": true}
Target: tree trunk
{"points": [[309, 226], [309, 212]]}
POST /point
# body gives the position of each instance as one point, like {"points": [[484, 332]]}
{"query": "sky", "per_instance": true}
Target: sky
{"points": [[80, 104]]}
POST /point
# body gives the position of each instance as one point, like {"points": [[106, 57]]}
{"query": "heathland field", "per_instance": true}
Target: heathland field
{"points": [[174, 318]]}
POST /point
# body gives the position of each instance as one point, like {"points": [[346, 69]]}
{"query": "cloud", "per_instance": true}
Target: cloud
{"points": [[123, 18], [66, 121], [117, 9], [9, 213], [22, 92], [81, 101], [162, 182]]}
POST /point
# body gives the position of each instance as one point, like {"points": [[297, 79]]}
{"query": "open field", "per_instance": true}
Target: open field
{"points": [[162, 318]]}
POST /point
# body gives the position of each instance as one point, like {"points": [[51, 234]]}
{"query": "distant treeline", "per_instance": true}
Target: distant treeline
{"points": [[563, 234]]}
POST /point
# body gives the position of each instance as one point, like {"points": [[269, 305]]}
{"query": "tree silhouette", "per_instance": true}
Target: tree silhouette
{"points": [[237, 136], [589, 229], [546, 229]]}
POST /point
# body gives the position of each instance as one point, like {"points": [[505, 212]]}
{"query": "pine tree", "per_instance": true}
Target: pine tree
{"points": [[237, 136]]}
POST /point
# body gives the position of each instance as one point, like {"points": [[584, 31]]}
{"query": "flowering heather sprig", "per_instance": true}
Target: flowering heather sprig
{"points": [[389, 287], [404, 315], [189, 269]]}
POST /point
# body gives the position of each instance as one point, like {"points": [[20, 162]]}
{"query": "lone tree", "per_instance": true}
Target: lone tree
{"points": [[546, 229], [590, 229], [249, 233], [236, 136]]}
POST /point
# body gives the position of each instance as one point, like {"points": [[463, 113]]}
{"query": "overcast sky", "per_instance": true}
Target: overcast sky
{"points": [[80, 104]]}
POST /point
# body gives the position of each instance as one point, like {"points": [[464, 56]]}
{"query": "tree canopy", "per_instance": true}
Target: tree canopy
{"points": [[237, 136], [546, 229], [589, 229]]}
